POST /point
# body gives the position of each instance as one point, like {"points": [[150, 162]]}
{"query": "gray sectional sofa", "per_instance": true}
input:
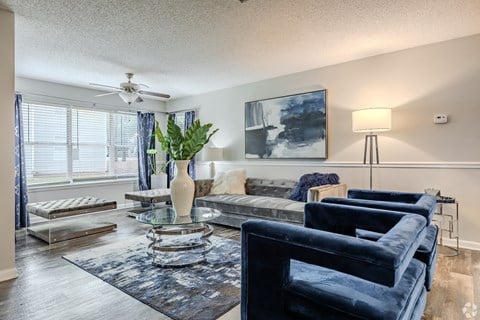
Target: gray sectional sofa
{"points": [[264, 199]]}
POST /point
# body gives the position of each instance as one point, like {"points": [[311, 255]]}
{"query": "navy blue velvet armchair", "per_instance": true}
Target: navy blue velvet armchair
{"points": [[407, 202], [322, 271], [419, 203]]}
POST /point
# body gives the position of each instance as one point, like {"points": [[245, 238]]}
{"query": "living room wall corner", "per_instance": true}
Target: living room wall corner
{"points": [[7, 94]]}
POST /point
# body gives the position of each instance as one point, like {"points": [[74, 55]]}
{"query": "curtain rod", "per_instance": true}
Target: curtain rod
{"points": [[93, 104], [184, 110]]}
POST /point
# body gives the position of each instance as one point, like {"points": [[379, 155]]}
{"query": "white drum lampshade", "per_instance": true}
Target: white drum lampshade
{"points": [[372, 120]]}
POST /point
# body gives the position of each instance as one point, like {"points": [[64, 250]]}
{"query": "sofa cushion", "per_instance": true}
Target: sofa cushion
{"points": [[280, 188], [229, 182], [255, 206], [312, 291], [310, 180], [202, 187]]}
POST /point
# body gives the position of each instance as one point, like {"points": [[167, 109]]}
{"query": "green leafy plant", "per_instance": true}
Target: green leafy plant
{"points": [[184, 147]]}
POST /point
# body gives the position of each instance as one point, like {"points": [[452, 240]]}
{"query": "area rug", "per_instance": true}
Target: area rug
{"points": [[204, 291]]}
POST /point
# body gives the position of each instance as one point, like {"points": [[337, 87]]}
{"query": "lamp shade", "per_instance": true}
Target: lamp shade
{"points": [[372, 120], [128, 97], [213, 154]]}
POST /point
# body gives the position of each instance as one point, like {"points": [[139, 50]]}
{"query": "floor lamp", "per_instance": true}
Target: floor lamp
{"points": [[371, 120]]}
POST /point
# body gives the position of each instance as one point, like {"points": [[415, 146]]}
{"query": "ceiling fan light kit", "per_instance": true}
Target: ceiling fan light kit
{"points": [[130, 92], [128, 97]]}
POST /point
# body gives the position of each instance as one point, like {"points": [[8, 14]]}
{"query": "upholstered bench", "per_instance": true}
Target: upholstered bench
{"points": [[66, 229], [150, 196]]}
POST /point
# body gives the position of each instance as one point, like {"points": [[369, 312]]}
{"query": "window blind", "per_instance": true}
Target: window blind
{"points": [[124, 144], [67, 144], [45, 134]]}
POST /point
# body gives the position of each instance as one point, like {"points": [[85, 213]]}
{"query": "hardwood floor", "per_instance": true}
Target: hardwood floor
{"points": [[456, 284], [49, 287]]}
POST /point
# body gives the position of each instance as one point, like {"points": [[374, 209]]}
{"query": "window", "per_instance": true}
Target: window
{"points": [[67, 144], [180, 120]]}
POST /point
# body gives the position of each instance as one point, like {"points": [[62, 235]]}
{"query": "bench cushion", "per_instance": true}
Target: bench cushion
{"points": [[154, 195], [69, 207]]}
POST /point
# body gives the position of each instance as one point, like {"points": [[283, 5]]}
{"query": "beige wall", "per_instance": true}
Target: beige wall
{"points": [[7, 92], [417, 83]]}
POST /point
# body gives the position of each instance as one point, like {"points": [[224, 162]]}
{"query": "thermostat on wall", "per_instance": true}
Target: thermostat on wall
{"points": [[440, 118]]}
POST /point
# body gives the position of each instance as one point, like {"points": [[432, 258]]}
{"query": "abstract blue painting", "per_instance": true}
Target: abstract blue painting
{"points": [[293, 126]]}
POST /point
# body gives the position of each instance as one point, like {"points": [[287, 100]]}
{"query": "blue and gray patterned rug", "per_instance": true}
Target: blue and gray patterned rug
{"points": [[204, 291]]}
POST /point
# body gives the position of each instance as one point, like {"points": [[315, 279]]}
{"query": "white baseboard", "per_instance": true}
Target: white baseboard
{"points": [[8, 274], [464, 244]]}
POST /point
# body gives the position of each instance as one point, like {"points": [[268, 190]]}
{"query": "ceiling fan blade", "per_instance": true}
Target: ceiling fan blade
{"points": [[104, 85], [143, 85], [155, 94], [139, 99], [106, 94]]}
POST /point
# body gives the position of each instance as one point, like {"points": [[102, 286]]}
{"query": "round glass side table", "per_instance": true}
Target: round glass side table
{"points": [[178, 241]]}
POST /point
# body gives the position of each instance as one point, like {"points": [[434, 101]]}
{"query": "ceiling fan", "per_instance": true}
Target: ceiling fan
{"points": [[130, 92]]}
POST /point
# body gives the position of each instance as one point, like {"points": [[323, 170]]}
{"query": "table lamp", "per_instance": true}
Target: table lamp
{"points": [[371, 120], [213, 154]]}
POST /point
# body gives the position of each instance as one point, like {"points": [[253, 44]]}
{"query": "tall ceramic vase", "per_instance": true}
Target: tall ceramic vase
{"points": [[182, 189]]}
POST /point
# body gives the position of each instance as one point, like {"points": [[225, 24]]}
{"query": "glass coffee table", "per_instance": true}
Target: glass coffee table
{"points": [[178, 241]]}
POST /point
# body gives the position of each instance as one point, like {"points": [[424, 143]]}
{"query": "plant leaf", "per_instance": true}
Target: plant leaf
{"points": [[184, 147]]}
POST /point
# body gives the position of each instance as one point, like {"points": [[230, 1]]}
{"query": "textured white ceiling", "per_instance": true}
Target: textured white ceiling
{"points": [[185, 47]]}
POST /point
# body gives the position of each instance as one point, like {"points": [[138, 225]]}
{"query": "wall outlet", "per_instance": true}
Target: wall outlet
{"points": [[440, 118]]}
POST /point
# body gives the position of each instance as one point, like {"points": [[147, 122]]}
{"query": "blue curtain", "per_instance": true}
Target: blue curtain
{"points": [[145, 127], [171, 166], [189, 119], [22, 219]]}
